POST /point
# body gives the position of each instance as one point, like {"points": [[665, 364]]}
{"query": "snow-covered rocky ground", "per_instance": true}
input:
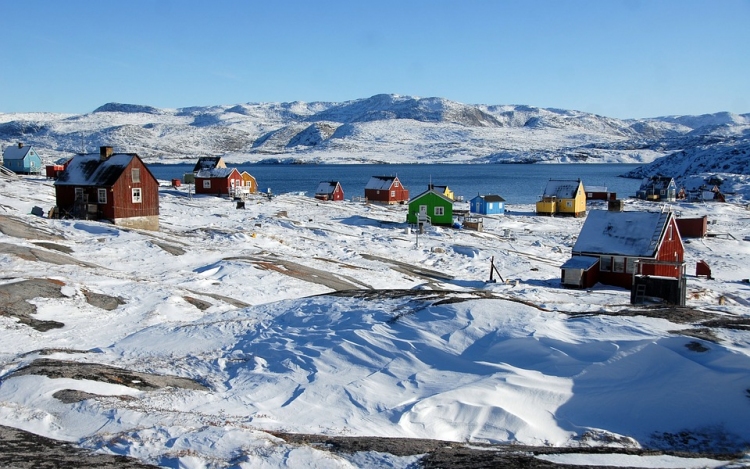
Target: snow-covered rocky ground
{"points": [[300, 316]]}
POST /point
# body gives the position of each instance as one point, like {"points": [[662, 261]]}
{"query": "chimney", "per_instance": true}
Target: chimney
{"points": [[20, 145], [105, 152]]}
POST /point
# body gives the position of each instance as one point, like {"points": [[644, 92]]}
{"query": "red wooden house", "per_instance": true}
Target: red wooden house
{"points": [[218, 181], [386, 190], [109, 186], [614, 246], [329, 190]]}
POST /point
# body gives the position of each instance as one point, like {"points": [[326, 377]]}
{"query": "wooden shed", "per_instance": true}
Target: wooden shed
{"points": [[580, 272], [693, 227], [109, 186], [386, 190]]}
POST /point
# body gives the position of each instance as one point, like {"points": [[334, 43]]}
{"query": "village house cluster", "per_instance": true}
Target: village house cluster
{"points": [[638, 250]]}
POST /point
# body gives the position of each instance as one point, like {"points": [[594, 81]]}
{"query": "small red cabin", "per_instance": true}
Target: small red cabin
{"points": [[386, 190], [109, 186], [693, 227], [218, 181], [329, 190], [628, 243]]}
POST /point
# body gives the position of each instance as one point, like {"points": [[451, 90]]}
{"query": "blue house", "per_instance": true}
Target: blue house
{"points": [[487, 204], [22, 159]]}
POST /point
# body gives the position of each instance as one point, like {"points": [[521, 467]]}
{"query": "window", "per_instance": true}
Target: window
{"points": [[605, 264], [395, 184], [630, 265], [137, 195], [568, 203], [489, 206], [79, 193], [135, 174], [206, 183], [102, 196], [618, 264], [439, 211], [393, 193]]}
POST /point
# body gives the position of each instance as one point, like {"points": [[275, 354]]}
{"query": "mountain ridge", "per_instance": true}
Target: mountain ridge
{"points": [[386, 128]]}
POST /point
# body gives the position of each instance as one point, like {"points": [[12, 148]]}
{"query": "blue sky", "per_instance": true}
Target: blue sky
{"points": [[618, 58]]}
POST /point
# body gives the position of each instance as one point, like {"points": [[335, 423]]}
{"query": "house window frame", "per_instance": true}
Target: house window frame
{"points": [[101, 195], [605, 264], [136, 195], [78, 193], [630, 265], [393, 194], [439, 211], [206, 183], [618, 264], [135, 174]]}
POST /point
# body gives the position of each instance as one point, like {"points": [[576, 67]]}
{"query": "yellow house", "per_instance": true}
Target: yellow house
{"points": [[444, 190], [565, 197], [249, 182]]}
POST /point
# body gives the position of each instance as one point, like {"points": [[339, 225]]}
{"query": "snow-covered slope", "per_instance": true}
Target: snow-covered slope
{"points": [[299, 316], [382, 128]]}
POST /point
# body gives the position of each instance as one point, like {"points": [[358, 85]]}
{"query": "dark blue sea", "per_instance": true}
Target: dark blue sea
{"points": [[516, 183]]}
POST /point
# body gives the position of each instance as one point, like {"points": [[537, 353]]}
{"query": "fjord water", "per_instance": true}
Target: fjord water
{"points": [[516, 183]]}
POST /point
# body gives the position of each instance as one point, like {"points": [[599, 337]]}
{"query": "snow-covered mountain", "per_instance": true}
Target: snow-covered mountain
{"points": [[382, 128]]}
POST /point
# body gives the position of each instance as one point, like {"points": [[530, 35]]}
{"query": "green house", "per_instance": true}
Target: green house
{"points": [[430, 206]]}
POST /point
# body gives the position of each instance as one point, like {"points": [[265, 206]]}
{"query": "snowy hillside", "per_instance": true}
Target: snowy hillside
{"points": [[275, 335], [382, 128]]}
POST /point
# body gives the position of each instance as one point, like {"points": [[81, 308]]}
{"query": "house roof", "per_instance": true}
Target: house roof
{"points": [[491, 198], [431, 191], [381, 182], [596, 188], [207, 162], [657, 182], [562, 189], [214, 173], [15, 153], [326, 187], [633, 234], [90, 170], [580, 262]]}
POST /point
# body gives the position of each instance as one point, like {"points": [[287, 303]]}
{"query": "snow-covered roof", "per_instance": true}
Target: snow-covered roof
{"points": [[208, 162], [634, 234], [214, 173], [91, 170], [16, 153], [596, 188], [326, 187], [657, 182], [381, 182], [580, 262], [432, 191], [491, 198], [562, 189]]}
